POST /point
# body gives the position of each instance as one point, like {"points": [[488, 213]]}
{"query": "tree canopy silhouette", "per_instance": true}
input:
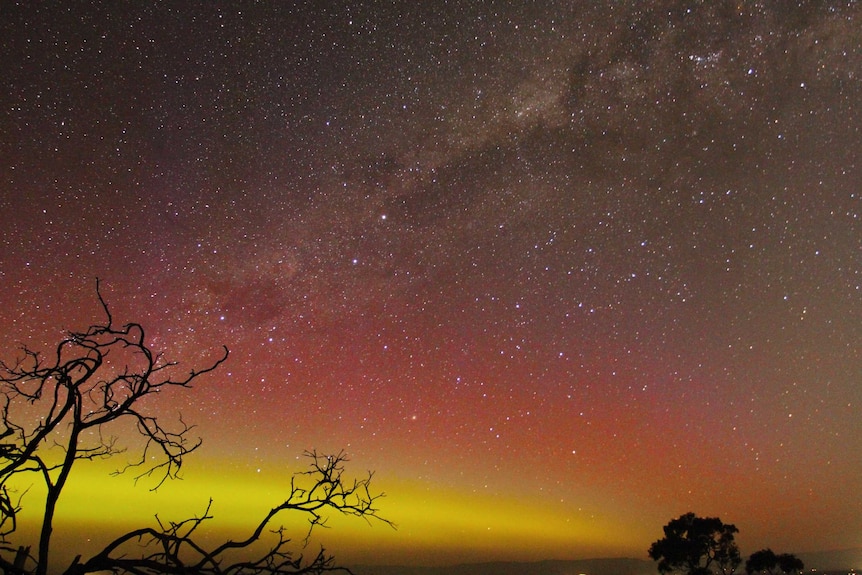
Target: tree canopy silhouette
{"points": [[695, 545], [767, 562], [63, 408]]}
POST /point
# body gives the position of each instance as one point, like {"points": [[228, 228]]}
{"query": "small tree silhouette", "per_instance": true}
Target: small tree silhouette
{"points": [[695, 545], [58, 410], [766, 562]]}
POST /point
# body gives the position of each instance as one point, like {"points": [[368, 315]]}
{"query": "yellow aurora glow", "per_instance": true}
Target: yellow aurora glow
{"points": [[435, 525]]}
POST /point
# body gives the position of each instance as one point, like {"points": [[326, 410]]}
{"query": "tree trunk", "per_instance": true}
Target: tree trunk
{"points": [[54, 492]]}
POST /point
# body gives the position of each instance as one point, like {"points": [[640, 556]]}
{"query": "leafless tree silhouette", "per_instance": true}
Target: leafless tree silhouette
{"points": [[58, 410]]}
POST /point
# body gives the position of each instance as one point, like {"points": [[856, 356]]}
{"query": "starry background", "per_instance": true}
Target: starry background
{"points": [[557, 271]]}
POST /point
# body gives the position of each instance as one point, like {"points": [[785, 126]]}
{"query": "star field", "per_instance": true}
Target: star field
{"points": [[601, 261]]}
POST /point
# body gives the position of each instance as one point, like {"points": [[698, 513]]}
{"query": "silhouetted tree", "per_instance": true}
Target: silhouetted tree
{"points": [[697, 546], [60, 409], [766, 562]]}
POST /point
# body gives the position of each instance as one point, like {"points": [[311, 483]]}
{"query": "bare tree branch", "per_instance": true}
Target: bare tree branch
{"points": [[171, 548], [57, 410], [93, 379]]}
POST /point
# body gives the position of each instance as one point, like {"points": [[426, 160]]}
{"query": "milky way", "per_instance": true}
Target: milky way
{"points": [[600, 257]]}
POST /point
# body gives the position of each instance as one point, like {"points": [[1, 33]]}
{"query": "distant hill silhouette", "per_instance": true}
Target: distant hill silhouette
{"points": [[838, 561], [576, 567]]}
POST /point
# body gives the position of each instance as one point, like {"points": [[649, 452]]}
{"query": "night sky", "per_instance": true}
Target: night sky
{"points": [[557, 271]]}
